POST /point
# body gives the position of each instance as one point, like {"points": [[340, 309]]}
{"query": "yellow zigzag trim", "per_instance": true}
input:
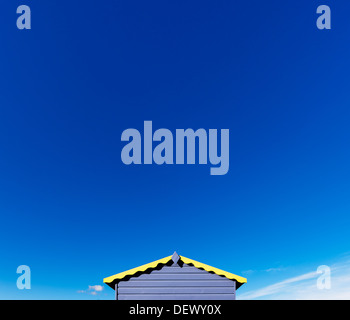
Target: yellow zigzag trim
{"points": [[165, 260], [217, 271], [131, 272]]}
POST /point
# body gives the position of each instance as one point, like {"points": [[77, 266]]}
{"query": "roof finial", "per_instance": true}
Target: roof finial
{"points": [[175, 257]]}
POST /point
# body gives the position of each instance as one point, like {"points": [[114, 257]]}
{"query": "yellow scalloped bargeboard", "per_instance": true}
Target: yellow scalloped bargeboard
{"points": [[152, 265]]}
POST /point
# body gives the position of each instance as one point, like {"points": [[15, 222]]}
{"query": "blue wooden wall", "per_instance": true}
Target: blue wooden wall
{"points": [[177, 283]]}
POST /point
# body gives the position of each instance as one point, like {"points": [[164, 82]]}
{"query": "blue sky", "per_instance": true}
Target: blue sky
{"points": [[86, 71]]}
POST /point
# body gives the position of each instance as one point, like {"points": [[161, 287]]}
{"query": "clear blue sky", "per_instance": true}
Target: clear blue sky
{"points": [[87, 70]]}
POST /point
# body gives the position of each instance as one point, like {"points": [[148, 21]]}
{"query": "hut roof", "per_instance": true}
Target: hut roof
{"points": [[175, 258]]}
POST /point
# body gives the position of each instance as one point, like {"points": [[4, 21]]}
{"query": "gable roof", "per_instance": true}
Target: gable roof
{"points": [[174, 258]]}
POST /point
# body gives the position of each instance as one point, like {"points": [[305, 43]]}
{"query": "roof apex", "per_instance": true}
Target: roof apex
{"points": [[175, 257]]}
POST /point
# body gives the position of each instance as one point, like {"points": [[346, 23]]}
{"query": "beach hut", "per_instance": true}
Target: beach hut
{"points": [[175, 278]]}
